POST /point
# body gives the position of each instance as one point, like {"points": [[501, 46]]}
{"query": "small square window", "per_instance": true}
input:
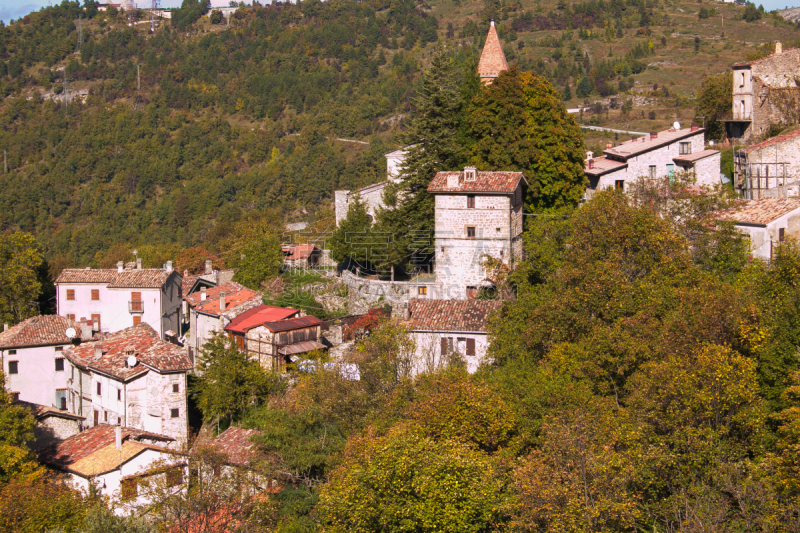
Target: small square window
{"points": [[13, 367], [422, 291], [59, 365], [685, 148], [470, 232], [174, 413], [176, 387], [70, 294], [619, 184], [59, 348], [12, 352], [71, 316], [95, 294], [781, 234]]}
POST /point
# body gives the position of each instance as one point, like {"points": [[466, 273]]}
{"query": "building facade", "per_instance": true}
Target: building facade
{"points": [[767, 223], [273, 335], [769, 169], [115, 299], [371, 195], [477, 215]]}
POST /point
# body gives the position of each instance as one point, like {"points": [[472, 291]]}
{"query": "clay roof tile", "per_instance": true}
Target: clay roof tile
{"points": [[493, 60]]}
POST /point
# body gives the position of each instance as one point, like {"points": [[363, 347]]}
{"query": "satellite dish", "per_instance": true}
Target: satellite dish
{"points": [[676, 126], [131, 361], [70, 333]]}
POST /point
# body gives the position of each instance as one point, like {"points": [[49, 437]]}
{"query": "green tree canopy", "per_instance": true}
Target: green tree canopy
{"points": [[354, 238], [19, 264], [714, 101]]}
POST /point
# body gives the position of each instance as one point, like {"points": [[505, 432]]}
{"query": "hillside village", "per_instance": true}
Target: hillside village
{"points": [[119, 380]]}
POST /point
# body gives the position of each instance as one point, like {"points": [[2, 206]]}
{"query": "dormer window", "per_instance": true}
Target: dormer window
{"points": [[470, 174]]}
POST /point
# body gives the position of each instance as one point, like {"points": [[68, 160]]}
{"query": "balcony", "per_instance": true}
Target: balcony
{"points": [[136, 306], [738, 116]]}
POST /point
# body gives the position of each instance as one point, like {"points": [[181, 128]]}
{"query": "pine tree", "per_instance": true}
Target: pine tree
{"points": [[433, 145], [348, 241], [567, 92]]}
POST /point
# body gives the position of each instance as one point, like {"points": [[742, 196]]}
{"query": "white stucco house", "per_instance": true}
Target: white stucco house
{"points": [[477, 214], [119, 298], [118, 462], [371, 195], [767, 223], [657, 156], [32, 354], [131, 378], [441, 328]]}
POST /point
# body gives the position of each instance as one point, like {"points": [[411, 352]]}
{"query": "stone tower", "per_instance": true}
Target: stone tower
{"points": [[493, 60]]}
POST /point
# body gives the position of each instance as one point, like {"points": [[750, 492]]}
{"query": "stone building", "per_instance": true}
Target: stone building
{"points": [[657, 156], [32, 354], [769, 169], [443, 329], [119, 298], [493, 60], [52, 425], [765, 92], [767, 223], [371, 195], [477, 214], [130, 378]]}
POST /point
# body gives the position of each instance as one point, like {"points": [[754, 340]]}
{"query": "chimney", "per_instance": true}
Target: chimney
{"points": [[169, 266], [98, 351], [695, 126], [120, 266], [185, 273], [591, 163], [653, 135], [118, 437], [589, 155], [138, 263], [208, 266], [86, 332], [609, 146], [452, 180], [406, 312], [222, 302], [778, 48], [203, 295]]}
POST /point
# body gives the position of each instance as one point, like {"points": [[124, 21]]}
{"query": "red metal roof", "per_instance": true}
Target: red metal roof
{"points": [[259, 315], [497, 182]]}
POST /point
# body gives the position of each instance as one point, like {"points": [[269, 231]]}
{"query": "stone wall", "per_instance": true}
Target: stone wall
{"points": [[53, 429], [365, 293], [341, 202]]}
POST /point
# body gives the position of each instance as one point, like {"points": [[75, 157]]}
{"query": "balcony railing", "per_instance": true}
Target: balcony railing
{"points": [[136, 306], [733, 116]]}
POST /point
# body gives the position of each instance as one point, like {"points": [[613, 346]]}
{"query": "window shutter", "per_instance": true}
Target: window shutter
{"points": [[70, 294], [136, 296], [137, 320], [95, 294], [470, 346], [444, 346]]}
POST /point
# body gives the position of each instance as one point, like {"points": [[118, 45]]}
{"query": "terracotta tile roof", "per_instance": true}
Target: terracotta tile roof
{"points": [[450, 315], [88, 453], [150, 352], [257, 316], [297, 251], [761, 212], [41, 330], [193, 283], [235, 296], [493, 60], [40, 412], [146, 278], [235, 443], [644, 144], [774, 140], [603, 165], [293, 323], [697, 156], [497, 182]]}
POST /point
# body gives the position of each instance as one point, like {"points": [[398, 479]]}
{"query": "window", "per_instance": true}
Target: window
{"points": [[652, 171], [174, 477], [14, 396], [137, 320], [128, 489], [95, 294], [470, 201], [13, 367], [71, 317], [176, 387], [685, 148], [619, 184], [96, 318], [671, 173], [447, 345], [742, 84], [12, 352], [99, 389], [119, 395], [59, 348], [174, 413], [470, 346], [70, 294], [105, 416], [60, 364], [422, 291], [781, 234], [470, 232], [472, 293]]}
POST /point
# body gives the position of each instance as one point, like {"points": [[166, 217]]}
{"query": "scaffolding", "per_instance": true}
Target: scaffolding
{"points": [[759, 180]]}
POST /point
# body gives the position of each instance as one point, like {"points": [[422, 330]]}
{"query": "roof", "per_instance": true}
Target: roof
{"points": [[235, 295], [145, 278], [754, 61], [298, 251], [497, 182], [40, 412], [644, 144], [603, 165], [189, 283], [213, 293], [257, 316], [397, 153], [150, 352], [43, 330], [235, 443], [300, 347], [759, 212], [450, 315], [697, 156], [293, 323], [773, 140], [493, 60], [94, 451]]}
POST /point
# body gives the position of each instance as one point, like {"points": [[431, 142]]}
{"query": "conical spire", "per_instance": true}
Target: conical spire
{"points": [[493, 60]]}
